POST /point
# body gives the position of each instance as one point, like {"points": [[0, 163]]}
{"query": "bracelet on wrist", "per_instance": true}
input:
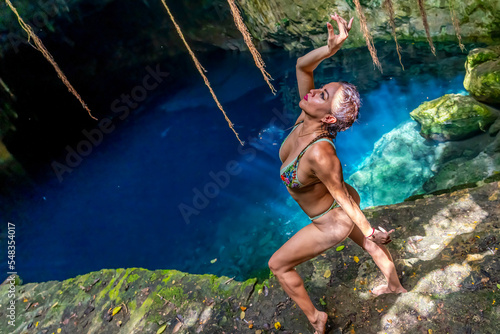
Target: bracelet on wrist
{"points": [[373, 231]]}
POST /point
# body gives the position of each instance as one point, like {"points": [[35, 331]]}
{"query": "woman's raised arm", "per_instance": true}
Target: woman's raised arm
{"points": [[308, 63]]}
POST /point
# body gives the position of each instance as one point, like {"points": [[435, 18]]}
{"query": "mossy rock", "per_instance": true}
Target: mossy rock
{"points": [[453, 117], [482, 78]]}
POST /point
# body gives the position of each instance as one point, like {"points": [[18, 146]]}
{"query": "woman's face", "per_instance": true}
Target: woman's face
{"points": [[318, 102]]}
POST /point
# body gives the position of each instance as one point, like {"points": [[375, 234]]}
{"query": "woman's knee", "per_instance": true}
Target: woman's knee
{"points": [[277, 265], [273, 264]]}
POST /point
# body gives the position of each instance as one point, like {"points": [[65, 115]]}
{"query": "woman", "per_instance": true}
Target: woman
{"points": [[317, 181]]}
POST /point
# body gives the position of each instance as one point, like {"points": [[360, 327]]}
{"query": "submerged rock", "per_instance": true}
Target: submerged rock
{"points": [[482, 78], [445, 249], [403, 163], [464, 170], [453, 117], [399, 165]]}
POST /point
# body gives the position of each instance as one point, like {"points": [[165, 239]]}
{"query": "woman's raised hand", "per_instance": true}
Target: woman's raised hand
{"points": [[336, 41]]}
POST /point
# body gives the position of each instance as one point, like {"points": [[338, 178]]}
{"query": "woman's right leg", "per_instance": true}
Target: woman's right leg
{"points": [[306, 244]]}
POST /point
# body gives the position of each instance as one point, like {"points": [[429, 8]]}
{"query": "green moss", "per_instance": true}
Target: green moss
{"points": [[452, 117], [479, 56], [132, 278], [132, 305], [114, 294], [137, 316], [173, 294]]}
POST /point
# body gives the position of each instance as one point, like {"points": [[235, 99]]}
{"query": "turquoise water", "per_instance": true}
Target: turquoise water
{"points": [[170, 187]]}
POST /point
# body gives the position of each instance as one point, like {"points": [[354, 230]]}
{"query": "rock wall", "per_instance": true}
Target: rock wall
{"points": [[298, 24], [445, 248]]}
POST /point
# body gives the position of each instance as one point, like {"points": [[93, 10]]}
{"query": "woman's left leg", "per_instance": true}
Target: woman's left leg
{"points": [[379, 253]]}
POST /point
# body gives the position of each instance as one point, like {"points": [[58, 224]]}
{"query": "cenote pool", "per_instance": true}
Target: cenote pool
{"points": [[170, 187]]}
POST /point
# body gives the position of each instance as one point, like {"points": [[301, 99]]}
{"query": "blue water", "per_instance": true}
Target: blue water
{"points": [[122, 206]]}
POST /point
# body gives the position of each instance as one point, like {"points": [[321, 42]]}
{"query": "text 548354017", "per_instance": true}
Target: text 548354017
{"points": [[11, 264], [11, 247]]}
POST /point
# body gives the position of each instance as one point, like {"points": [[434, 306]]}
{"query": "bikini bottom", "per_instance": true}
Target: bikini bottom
{"points": [[334, 205]]}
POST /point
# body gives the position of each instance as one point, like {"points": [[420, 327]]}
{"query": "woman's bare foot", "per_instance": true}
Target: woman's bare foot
{"points": [[382, 289], [320, 323]]}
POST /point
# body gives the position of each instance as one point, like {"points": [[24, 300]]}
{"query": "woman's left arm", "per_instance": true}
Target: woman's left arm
{"points": [[327, 167]]}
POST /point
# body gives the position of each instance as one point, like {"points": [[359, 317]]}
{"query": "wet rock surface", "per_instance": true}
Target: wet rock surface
{"points": [[298, 24], [482, 78], [453, 117], [445, 248]]}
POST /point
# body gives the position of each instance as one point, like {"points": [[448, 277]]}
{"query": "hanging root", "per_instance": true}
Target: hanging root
{"points": [[40, 47], [390, 9], [201, 70], [366, 34], [426, 25], [7, 90], [456, 25], [248, 40]]}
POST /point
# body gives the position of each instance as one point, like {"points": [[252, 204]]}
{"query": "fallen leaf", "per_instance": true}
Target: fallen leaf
{"points": [[242, 315], [177, 327], [498, 286], [243, 308], [116, 310], [59, 330], [322, 302], [327, 273], [214, 260], [162, 329], [277, 325], [356, 259], [339, 248]]}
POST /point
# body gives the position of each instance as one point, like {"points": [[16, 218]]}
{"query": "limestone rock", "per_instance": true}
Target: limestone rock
{"points": [[299, 24], [463, 170], [401, 162], [482, 78], [495, 128], [453, 117]]}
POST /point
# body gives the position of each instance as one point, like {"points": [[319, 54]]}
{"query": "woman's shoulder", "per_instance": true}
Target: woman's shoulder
{"points": [[323, 157]]}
